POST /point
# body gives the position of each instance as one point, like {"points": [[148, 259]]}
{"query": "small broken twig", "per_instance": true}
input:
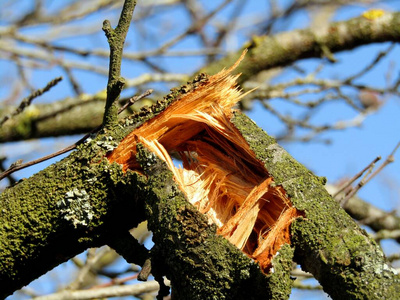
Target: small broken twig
{"points": [[134, 99], [366, 179], [355, 177]]}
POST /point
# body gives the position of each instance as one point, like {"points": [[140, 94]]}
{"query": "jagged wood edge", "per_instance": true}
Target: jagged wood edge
{"points": [[40, 222], [35, 233], [328, 243]]}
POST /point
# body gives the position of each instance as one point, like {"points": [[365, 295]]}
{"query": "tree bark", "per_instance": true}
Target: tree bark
{"points": [[66, 117], [77, 203], [327, 242], [83, 201]]}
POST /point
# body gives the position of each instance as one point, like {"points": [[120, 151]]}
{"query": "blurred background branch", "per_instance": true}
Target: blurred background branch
{"points": [[309, 87]]}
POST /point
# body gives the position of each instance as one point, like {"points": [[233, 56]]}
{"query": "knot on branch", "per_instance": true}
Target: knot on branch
{"points": [[107, 29], [116, 86]]}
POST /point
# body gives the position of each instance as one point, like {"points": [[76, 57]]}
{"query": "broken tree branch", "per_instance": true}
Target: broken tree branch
{"points": [[59, 216], [62, 217]]}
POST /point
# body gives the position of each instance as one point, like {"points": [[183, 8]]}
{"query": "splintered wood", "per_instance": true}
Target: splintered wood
{"points": [[219, 173]]}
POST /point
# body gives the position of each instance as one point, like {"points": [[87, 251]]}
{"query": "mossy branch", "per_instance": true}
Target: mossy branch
{"points": [[47, 219], [116, 39], [328, 243], [57, 220], [77, 203], [266, 52]]}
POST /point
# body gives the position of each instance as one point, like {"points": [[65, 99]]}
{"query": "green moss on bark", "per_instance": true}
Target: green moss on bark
{"points": [[37, 232], [282, 264], [200, 264], [328, 243]]}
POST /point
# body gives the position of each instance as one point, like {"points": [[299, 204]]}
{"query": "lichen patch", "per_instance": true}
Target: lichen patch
{"points": [[76, 208]]}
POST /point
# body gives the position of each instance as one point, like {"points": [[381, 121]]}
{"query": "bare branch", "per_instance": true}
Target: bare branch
{"points": [[28, 100], [355, 177], [114, 291], [366, 179], [116, 39], [133, 100]]}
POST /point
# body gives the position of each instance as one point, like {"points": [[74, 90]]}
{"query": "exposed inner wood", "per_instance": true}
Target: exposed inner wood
{"points": [[219, 173]]}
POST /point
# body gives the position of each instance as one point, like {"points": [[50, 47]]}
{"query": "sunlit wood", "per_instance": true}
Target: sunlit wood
{"points": [[220, 174]]}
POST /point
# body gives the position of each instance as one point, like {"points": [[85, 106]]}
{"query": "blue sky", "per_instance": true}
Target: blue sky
{"points": [[350, 151]]}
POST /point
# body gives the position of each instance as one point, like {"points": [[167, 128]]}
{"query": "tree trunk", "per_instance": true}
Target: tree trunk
{"points": [[84, 201]]}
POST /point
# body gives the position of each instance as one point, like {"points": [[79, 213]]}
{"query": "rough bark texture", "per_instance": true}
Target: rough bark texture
{"points": [[328, 243], [61, 211], [201, 264], [77, 203], [83, 200]]}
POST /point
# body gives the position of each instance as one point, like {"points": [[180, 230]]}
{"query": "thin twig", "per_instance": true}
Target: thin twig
{"points": [[388, 160], [134, 99], [195, 27], [28, 100], [15, 167], [18, 166], [74, 83], [355, 177], [227, 28], [367, 68], [22, 73], [11, 179], [359, 185], [93, 256], [111, 291], [115, 281]]}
